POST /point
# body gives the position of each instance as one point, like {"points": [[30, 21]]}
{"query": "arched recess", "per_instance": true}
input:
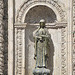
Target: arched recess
{"points": [[33, 16], [40, 12], [21, 15]]}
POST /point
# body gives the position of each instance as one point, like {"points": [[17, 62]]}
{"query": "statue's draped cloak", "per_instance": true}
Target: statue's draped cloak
{"points": [[41, 46]]}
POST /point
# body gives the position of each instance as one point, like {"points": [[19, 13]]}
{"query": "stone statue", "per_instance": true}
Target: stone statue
{"points": [[42, 44]]}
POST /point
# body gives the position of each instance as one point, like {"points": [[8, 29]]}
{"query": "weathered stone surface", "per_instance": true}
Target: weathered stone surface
{"points": [[42, 71], [1, 39], [5, 35], [62, 57]]}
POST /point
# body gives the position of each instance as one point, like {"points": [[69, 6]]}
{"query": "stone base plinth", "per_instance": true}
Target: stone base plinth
{"points": [[41, 71]]}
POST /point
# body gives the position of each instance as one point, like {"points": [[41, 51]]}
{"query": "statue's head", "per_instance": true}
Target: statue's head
{"points": [[42, 23]]}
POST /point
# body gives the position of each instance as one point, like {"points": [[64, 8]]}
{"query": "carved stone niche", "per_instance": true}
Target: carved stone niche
{"points": [[24, 41], [40, 12]]}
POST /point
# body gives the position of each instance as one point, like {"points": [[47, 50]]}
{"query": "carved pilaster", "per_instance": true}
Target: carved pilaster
{"points": [[1, 39], [19, 50], [63, 53]]}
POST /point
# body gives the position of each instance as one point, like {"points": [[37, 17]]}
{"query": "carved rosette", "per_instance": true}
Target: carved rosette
{"points": [[1, 39], [73, 60], [63, 53]]}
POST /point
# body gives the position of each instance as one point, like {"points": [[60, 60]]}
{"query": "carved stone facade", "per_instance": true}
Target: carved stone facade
{"points": [[19, 50], [16, 37], [3, 37], [25, 24], [63, 53], [27, 8]]}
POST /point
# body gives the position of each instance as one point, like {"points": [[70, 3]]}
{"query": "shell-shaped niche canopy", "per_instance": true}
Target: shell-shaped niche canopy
{"points": [[40, 12]]}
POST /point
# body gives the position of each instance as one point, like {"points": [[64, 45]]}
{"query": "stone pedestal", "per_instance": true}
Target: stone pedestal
{"points": [[41, 71]]}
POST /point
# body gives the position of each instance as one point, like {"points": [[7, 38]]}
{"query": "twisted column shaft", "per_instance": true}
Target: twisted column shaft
{"points": [[1, 39]]}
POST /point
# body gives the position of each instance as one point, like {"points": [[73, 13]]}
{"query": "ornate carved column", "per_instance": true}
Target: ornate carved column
{"points": [[20, 49], [1, 39]]}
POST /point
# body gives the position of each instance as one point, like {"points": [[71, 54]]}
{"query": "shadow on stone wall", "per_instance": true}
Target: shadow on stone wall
{"points": [[50, 64], [29, 56]]}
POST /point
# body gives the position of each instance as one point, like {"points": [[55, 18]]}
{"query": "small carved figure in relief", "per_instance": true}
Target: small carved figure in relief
{"points": [[42, 44]]}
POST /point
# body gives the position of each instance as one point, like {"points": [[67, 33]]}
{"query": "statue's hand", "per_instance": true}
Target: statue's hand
{"points": [[44, 36], [39, 37], [46, 56]]}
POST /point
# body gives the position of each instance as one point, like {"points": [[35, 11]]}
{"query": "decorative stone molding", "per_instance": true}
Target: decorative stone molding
{"points": [[1, 39], [48, 25], [19, 49], [19, 52], [73, 36], [31, 3], [63, 53]]}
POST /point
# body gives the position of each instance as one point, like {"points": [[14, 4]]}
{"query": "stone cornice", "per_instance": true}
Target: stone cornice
{"points": [[48, 25]]}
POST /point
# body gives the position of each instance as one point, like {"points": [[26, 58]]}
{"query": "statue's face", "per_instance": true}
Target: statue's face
{"points": [[42, 24]]}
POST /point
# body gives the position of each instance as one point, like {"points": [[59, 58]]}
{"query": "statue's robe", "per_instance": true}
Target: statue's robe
{"points": [[42, 43]]}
